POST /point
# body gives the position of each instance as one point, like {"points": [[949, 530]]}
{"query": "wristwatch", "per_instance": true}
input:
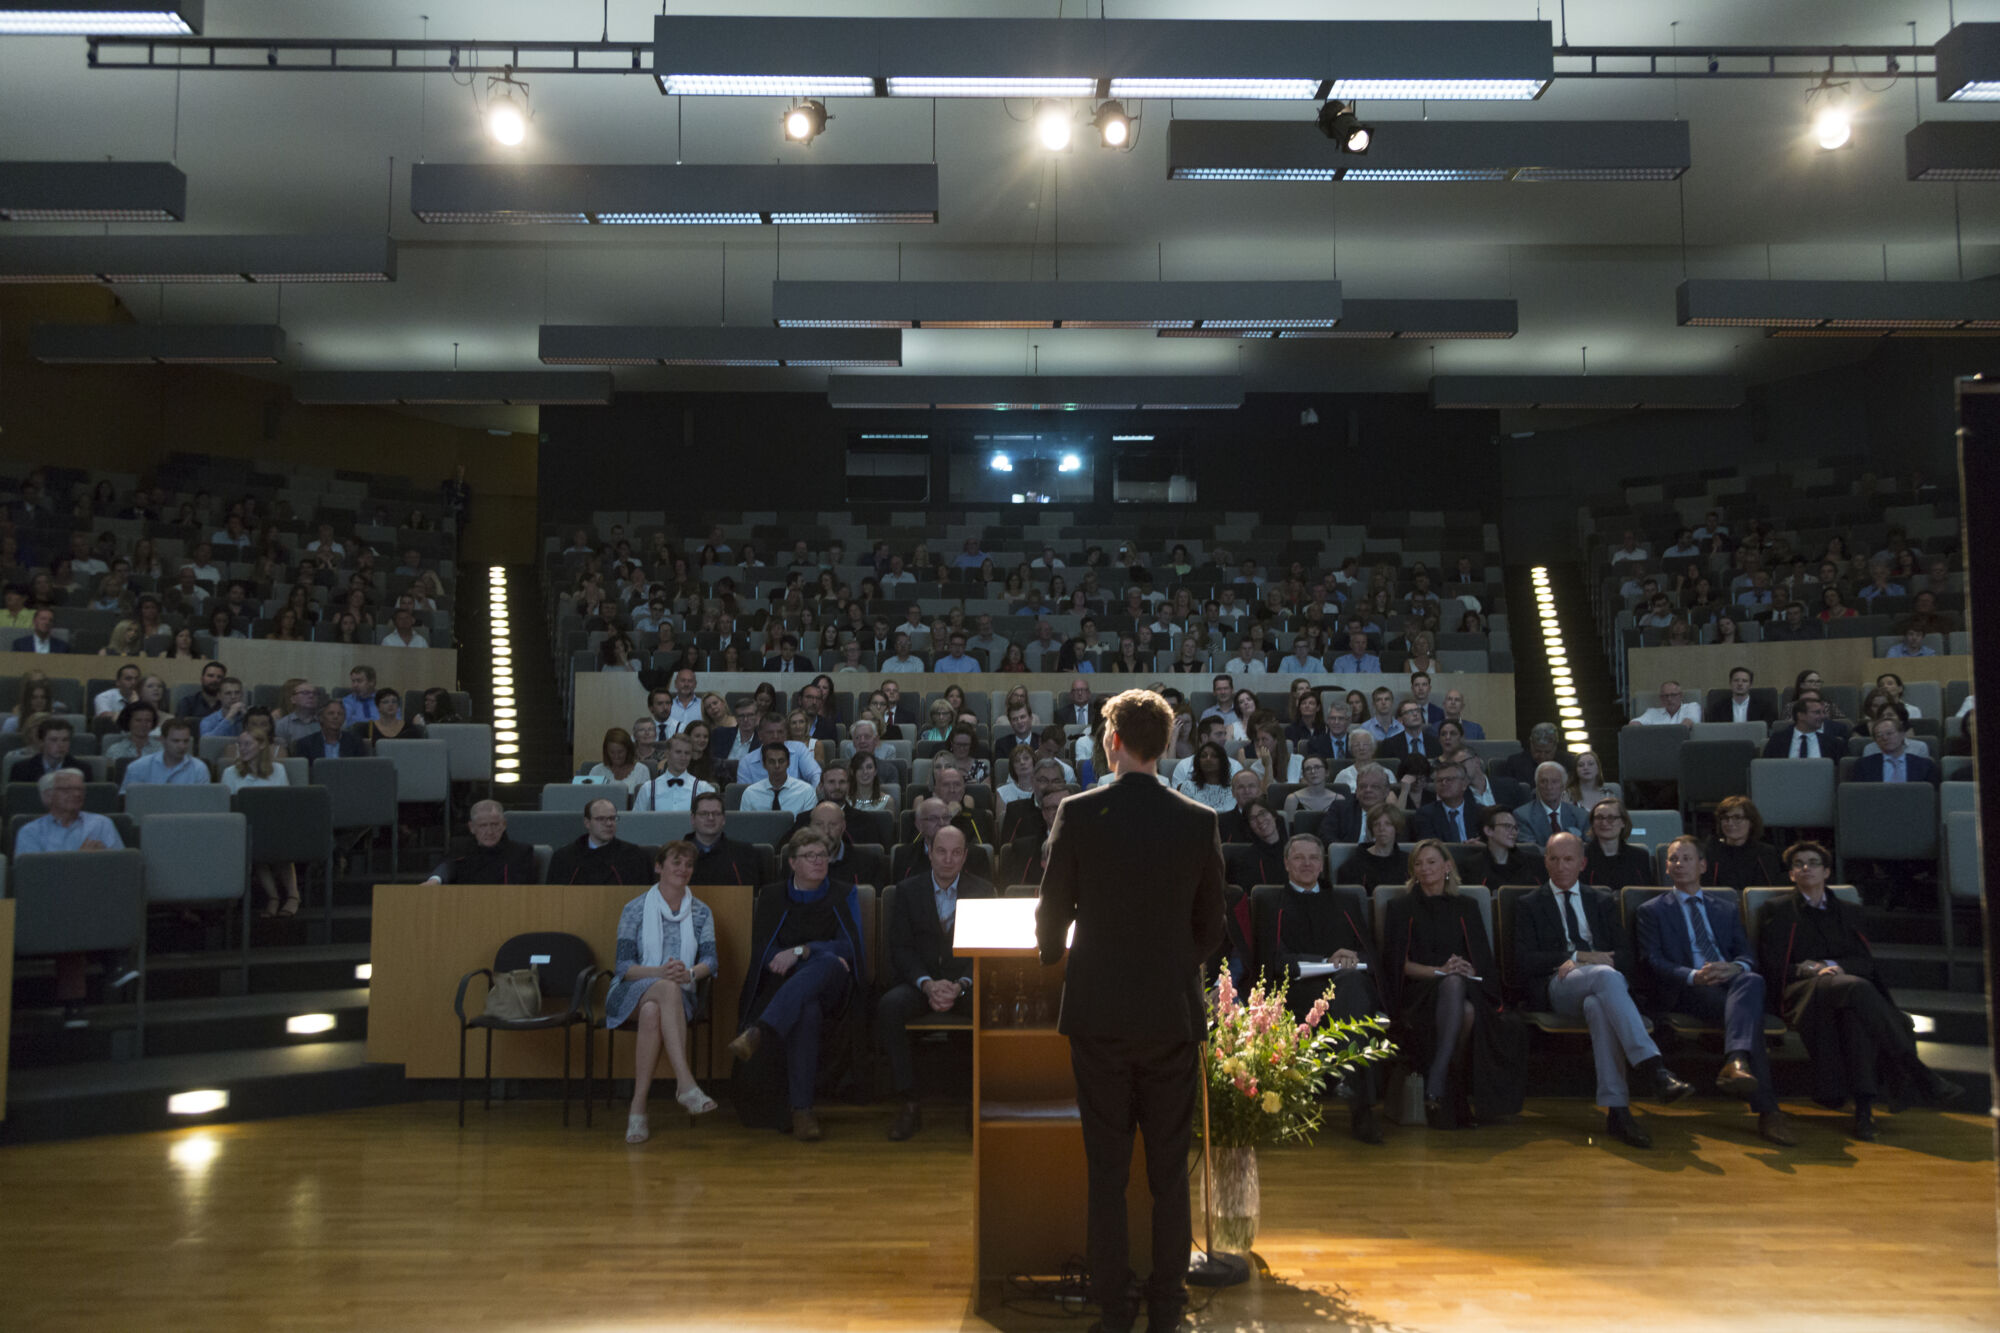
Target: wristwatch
{"points": [[798, 951]]}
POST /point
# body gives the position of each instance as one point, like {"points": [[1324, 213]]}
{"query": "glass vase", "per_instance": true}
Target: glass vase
{"points": [[1237, 1199]]}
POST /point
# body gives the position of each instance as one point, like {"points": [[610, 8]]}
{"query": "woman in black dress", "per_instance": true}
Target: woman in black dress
{"points": [[1738, 857], [1442, 988], [1608, 860], [1378, 861]]}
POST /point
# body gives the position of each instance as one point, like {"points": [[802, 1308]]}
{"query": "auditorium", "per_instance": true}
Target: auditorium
{"points": [[967, 665]]}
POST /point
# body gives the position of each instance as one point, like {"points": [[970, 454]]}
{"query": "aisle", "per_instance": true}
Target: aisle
{"points": [[391, 1218]]}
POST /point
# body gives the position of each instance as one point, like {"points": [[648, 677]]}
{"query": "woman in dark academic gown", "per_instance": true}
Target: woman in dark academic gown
{"points": [[1739, 858], [1442, 987], [1819, 968], [1619, 865]]}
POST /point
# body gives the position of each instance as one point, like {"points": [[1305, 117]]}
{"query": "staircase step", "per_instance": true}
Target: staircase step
{"points": [[190, 1027]]}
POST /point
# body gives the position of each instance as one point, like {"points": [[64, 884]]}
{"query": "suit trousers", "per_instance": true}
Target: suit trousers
{"points": [[811, 994], [1151, 1086], [897, 1007], [1739, 1007], [1860, 1044], [1617, 1033]]}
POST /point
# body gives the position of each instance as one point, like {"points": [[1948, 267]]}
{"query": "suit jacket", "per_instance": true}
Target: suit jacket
{"points": [[1338, 823], [1519, 766], [1534, 821], [1668, 953], [1433, 821], [1398, 746], [1021, 861], [26, 644], [1022, 819], [914, 938], [800, 663], [1507, 792], [349, 746], [1779, 951], [1832, 741], [1540, 941], [1919, 769], [728, 862], [32, 768], [1719, 710], [1779, 632], [1137, 868]]}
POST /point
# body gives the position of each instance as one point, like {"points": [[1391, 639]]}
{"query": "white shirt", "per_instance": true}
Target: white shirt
{"points": [[631, 782], [235, 779], [795, 797], [1184, 771], [1660, 717], [1256, 666], [1963, 708], [112, 701], [680, 715], [903, 664], [1739, 709], [674, 791], [1582, 916], [209, 572], [416, 640], [1295, 666]]}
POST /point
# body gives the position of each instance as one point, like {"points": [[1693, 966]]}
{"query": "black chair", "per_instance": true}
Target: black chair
{"points": [[565, 968], [703, 1020]]}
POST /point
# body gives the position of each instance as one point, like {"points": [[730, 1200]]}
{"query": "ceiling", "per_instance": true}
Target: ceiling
{"points": [[1592, 265]]}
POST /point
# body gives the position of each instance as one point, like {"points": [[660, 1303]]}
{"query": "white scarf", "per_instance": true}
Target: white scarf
{"points": [[653, 931]]}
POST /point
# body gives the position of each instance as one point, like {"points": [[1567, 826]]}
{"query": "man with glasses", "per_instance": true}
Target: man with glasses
{"points": [[718, 858], [1672, 709], [1811, 951], [1450, 818], [1693, 943], [493, 858], [600, 856]]}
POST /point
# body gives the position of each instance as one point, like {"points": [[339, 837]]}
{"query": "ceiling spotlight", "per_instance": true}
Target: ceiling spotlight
{"points": [[1052, 125], [1070, 463], [507, 119], [1114, 127], [1002, 463], [1338, 122], [1832, 129], [806, 121]]}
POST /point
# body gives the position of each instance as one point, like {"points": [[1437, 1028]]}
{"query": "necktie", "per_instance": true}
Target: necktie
{"points": [[675, 782], [1457, 823], [775, 803], [1418, 746], [1804, 736], [1340, 747], [1704, 941], [1896, 769], [1575, 922]]}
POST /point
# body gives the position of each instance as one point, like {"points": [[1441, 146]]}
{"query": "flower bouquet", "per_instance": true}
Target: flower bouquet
{"points": [[1266, 1076]]}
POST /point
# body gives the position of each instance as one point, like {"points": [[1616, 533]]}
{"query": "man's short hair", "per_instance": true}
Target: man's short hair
{"points": [[174, 724], [1051, 764], [779, 747], [367, 672], [50, 724], [1803, 845], [1143, 722], [1312, 838], [1745, 670], [699, 797], [47, 781], [1419, 675], [595, 801]]}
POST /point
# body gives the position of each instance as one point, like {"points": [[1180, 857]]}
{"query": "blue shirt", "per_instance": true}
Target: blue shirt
{"points": [[46, 835], [951, 663], [1903, 650], [1347, 664], [750, 768], [216, 724], [1896, 767], [360, 707], [152, 768]]}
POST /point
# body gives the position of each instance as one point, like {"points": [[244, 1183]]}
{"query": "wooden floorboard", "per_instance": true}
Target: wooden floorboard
{"points": [[393, 1218]]}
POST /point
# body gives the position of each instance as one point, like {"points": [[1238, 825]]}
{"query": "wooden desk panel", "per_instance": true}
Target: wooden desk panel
{"points": [[6, 992], [427, 936], [261, 662]]}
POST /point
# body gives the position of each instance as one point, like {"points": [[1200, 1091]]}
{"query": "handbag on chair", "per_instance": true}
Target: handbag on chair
{"points": [[515, 996]]}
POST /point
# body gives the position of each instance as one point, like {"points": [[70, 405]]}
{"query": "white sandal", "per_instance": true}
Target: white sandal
{"points": [[637, 1127], [696, 1101]]}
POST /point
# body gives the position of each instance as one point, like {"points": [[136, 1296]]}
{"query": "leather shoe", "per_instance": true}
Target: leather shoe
{"points": [[1667, 1089], [908, 1121], [805, 1127], [1863, 1127], [1776, 1127], [747, 1041], [1619, 1123], [1736, 1080], [1364, 1125]]}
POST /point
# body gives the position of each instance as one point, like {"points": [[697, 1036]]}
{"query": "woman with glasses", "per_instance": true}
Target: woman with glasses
{"points": [[1738, 856], [1818, 963], [1608, 860], [806, 943]]}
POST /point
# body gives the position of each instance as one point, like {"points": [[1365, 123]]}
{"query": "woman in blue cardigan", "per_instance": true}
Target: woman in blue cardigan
{"points": [[667, 935]]}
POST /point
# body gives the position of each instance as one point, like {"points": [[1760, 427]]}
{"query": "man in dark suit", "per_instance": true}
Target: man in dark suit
{"points": [[718, 858], [1551, 812], [1137, 868], [1568, 949], [1234, 825], [1895, 762], [53, 738], [333, 740], [1544, 746], [1490, 789], [600, 856], [1077, 708], [41, 637], [1739, 704], [1451, 817], [1024, 817], [1414, 738], [1791, 626], [1023, 860], [1811, 735], [924, 976], [1699, 958], [787, 657], [1341, 822], [902, 707]]}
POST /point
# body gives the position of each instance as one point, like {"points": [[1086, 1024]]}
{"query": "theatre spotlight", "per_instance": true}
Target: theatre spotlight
{"points": [[1070, 463], [806, 121], [1052, 124], [507, 119], [1832, 127], [1338, 122], [1114, 127], [1002, 463]]}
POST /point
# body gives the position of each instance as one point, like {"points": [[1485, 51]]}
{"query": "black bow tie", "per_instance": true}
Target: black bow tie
{"points": [[676, 782]]}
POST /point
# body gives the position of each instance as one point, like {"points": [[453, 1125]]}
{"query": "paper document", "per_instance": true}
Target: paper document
{"points": [[1307, 970]]}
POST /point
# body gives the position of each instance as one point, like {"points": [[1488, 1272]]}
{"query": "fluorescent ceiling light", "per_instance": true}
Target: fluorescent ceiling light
{"points": [[623, 345], [210, 259], [1553, 392], [1041, 393], [157, 344], [667, 195], [92, 192], [1968, 63], [976, 305], [453, 387], [107, 18], [1952, 150], [1840, 309], [832, 56], [1431, 150], [1428, 320]]}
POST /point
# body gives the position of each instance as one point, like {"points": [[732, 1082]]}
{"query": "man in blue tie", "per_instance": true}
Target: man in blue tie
{"points": [[1414, 738], [1695, 948], [1450, 818], [1896, 762]]}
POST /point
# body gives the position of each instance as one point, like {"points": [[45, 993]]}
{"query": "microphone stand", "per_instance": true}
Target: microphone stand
{"points": [[1212, 1269]]}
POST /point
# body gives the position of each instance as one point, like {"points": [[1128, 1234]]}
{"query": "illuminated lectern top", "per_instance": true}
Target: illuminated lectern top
{"points": [[996, 928]]}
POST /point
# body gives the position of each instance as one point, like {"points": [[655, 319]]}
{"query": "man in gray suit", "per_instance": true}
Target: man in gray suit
{"points": [[1138, 868], [1550, 812]]}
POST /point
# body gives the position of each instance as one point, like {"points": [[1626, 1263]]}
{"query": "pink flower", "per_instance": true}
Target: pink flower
{"points": [[1305, 1030]]}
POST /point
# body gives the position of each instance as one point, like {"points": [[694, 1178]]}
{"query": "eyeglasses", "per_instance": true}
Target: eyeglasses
{"points": [[1807, 863], [1733, 817], [811, 856]]}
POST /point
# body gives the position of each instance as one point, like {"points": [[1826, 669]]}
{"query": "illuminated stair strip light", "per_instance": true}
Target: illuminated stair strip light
{"points": [[1575, 737], [506, 738]]}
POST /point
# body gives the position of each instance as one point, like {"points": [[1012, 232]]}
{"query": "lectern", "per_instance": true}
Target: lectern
{"points": [[1029, 1188]]}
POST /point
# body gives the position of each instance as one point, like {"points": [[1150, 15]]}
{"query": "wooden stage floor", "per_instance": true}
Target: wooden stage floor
{"points": [[392, 1218]]}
